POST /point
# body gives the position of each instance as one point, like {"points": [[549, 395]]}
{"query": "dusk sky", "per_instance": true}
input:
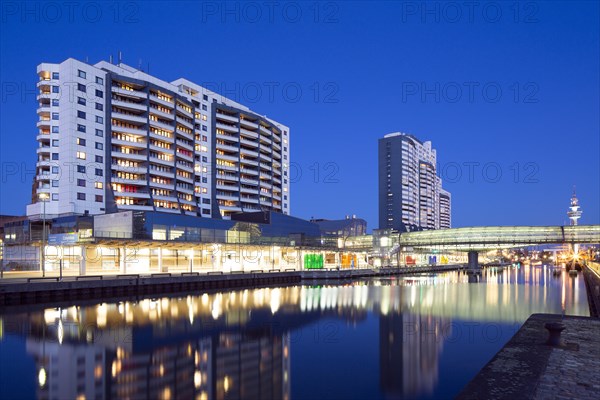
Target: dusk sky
{"points": [[508, 92]]}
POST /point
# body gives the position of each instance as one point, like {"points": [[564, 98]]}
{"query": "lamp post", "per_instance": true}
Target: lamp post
{"points": [[43, 197]]}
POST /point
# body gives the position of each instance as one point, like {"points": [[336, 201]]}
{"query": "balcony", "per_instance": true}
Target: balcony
{"points": [[248, 190], [227, 128], [170, 198], [249, 124], [135, 207], [265, 131], [226, 117], [249, 199], [247, 152], [226, 147], [169, 139], [229, 208], [184, 179], [248, 181], [127, 143], [129, 117], [184, 156], [185, 190], [160, 125], [184, 145], [227, 136], [158, 172], [125, 129], [249, 162], [184, 167], [227, 197], [43, 149], [247, 133], [188, 136], [227, 167], [249, 171], [227, 177], [134, 195], [43, 137], [128, 156], [163, 150], [124, 168], [185, 112], [162, 114], [264, 139], [185, 123], [129, 93], [227, 157], [264, 183], [129, 105], [266, 158], [45, 123], [249, 143], [158, 185], [160, 101], [265, 166], [231, 188]]}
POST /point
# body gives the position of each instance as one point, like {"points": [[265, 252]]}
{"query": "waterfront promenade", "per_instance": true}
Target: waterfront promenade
{"points": [[527, 367], [21, 291]]}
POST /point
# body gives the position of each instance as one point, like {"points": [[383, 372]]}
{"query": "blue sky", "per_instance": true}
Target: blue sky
{"points": [[508, 92]]}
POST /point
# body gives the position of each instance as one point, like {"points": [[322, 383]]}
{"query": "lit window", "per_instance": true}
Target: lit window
{"points": [[99, 185], [81, 155]]}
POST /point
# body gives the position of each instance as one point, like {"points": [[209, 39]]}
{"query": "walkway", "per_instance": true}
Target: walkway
{"points": [[528, 368]]}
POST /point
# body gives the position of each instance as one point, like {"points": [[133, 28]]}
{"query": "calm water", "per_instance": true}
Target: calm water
{"points": [[412, 337]]}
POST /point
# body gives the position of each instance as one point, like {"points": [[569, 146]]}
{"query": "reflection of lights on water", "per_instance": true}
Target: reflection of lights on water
{"points": [[197, 379], [203, 396], [60, 332], [166, 393], [275, 300], [42, 377], [116, 368], [226, 383], [205, 299]]}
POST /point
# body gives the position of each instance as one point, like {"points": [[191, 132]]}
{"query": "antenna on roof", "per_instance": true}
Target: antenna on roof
{"points": [[120, 57], [140, 65], [110, 60], [87, 59]]}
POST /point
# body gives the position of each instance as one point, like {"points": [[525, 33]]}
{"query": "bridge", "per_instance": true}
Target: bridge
{"points": [[472, 239], [493, 237]]}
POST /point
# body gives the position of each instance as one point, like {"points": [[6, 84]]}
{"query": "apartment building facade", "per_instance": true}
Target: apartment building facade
{"points": [[114, 138], [410, 192]]}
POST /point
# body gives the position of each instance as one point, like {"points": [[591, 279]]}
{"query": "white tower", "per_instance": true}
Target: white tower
{"points": [[574, 212]]}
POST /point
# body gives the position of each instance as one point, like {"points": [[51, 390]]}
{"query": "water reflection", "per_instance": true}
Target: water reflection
{"points": [[242, 344]]}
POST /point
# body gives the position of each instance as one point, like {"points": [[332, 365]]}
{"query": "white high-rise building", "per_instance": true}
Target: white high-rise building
{"points": [[410, 192], [114, 138]]}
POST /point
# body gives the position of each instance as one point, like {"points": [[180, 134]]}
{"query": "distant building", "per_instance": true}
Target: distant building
{"points": [[350, 226], [410, 192]]}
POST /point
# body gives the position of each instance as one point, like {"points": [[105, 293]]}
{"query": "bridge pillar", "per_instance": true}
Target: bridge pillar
{"points": [[473, 260]]}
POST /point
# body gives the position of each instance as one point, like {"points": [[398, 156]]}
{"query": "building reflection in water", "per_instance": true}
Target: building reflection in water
{"points": [[409, 350], [237, 344]]}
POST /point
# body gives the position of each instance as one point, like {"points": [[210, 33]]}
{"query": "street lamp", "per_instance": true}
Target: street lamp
{"points": [[43, 198]]}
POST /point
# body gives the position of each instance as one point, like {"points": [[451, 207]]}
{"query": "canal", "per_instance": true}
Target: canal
{"points": [[414, 337]]}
